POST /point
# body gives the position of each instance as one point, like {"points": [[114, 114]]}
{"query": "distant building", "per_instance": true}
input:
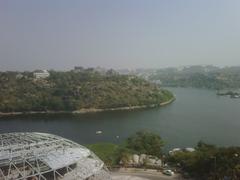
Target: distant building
{"points": [[175, 150], [19, 76], [78, 69], [41, 74], [158, 82], [100, 70]]}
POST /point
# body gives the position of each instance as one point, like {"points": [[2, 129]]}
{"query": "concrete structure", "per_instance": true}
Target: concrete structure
{"points": [[41, 74], [43, 156]]}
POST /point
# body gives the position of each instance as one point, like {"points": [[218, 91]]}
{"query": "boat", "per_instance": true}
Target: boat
{"points": [[98, 132], [235, 96]]}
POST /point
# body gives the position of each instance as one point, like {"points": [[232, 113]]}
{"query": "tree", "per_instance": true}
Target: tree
{"points": [[144, 142], [70, 91], [209, 162]]}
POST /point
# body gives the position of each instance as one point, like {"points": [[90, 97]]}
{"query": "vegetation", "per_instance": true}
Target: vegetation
{"points": [[139, 143], [209, 162], [107, 152], [145, 142], [75, 90], [199, 76]]}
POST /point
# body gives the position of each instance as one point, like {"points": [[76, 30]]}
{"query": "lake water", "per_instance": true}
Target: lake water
{"points": [[195, 115]]}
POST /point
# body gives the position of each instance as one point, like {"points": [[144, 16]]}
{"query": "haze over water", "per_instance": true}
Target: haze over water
{"points": [[197, 114]]}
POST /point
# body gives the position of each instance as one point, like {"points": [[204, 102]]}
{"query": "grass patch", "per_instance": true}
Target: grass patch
{"points": [[107, 152], [142, 142]]}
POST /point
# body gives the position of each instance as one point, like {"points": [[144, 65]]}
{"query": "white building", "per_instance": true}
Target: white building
{"points": [[41, 74]]}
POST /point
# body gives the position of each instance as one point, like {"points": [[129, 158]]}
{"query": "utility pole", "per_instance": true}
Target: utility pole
{"points": [[215, 167]]}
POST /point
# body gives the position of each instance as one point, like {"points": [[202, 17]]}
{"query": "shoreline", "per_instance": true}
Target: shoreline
{"points": [[89, 110]]}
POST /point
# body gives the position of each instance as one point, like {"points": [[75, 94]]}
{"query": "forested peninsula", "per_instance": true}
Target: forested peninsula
{"points": [[81, 90]]}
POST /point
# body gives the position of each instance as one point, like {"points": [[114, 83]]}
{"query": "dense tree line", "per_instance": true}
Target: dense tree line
{"points": [[199, 77], [69, 91], [209, 162], [145, 142]]}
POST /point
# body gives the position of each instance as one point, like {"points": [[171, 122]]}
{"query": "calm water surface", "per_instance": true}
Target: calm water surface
{"points": [[195, 115]]}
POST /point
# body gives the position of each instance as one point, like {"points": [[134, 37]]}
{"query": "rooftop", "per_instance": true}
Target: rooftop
{"points": [[45, 156]]}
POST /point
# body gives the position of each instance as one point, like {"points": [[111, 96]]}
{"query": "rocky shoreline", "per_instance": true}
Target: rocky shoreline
{"points": [[89, 110]]}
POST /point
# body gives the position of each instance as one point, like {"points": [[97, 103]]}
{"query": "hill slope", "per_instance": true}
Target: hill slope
{"points": [[199, 77], [71, 91]]}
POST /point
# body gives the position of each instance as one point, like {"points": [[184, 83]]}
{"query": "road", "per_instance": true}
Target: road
{"points": [[141, 174]]}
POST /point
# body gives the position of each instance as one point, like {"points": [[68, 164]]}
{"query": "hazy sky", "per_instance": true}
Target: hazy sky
{"points": [[60, 34]]}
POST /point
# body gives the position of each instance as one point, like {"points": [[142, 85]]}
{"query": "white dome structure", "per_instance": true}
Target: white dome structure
{"points": [[41, 156]]}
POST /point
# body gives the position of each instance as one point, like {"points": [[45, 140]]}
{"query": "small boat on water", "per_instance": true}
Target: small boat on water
{"points": [[235, 96], [98, 132]]}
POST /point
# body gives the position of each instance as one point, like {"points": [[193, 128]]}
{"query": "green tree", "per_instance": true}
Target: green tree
{"points": [[209, 162], [145, 142]]}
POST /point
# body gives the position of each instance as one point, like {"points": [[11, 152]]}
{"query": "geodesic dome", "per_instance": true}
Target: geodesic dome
{"points": [[39, 156]]}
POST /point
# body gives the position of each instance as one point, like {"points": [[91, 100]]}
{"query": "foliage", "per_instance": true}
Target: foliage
{"points": [[144, 142], [107, 152], [139, 143], [111, 154], [74, 90], [199, 77], [207, 162], [210, 162]]}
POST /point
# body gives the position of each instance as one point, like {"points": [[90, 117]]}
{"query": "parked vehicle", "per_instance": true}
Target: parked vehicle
{"points": [[168, 172]]}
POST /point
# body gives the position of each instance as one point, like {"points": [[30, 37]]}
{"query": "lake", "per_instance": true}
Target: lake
{"points": [[196, 114]]}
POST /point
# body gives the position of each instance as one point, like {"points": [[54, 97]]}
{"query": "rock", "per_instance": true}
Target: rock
{"points": [[151, 161], [158, 162], [142, 158], [135, 158], [130, 162], [126, 160]]}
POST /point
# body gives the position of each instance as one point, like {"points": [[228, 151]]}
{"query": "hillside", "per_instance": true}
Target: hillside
{"points": [[76, 90], [199, 76]]}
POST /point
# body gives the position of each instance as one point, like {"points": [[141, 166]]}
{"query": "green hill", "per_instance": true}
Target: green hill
{"points": [[72, 91], [199, 77]]}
